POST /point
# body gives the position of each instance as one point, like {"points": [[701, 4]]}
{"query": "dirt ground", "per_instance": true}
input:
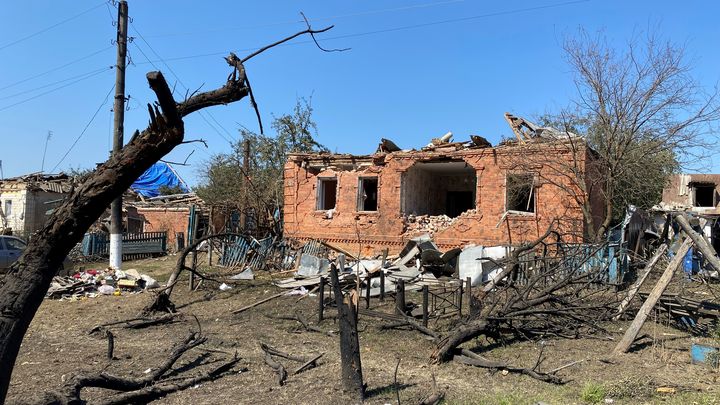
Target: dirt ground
{"points": [[58, 344]]}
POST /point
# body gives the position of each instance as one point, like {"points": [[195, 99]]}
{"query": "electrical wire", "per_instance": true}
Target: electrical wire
{"points": [[55, 69], [201, 113], [53, 83], [25, 38], [334, 17], [105, 100], [179, 81], [53, 90], [394, 29]]}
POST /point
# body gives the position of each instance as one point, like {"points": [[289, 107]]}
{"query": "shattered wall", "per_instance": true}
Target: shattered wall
{"points": [[680, 193], [29, 202], [488, 223], [166, 219]]}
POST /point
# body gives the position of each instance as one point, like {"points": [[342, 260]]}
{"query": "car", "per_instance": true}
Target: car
{"points": [[11, 247]]}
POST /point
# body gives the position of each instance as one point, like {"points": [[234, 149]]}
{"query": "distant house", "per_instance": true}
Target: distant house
{"points": [[698, 193], [27, 201], [175, 214]]}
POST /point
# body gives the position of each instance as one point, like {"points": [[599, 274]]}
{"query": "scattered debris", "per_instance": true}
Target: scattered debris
{"points": [[91, 283]]}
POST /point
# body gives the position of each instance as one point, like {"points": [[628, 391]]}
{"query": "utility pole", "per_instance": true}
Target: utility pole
{"points": [[116, 222], [47, 140]]}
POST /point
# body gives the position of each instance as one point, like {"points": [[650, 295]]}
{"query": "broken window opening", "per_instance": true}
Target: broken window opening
{"points": [[327, 193], [8, 207], [520, 192], [443, 187], [703, 194], [367, 194]]}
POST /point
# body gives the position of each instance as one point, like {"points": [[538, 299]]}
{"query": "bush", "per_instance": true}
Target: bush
{"points": [[593, 393]]}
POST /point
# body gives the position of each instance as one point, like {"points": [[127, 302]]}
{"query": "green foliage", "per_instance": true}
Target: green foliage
{"points": [[226, 183], [79, 173], [170, 190], [593, 393]]}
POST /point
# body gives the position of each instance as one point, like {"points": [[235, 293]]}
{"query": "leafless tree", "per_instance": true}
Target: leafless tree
{"points": [[641, 112]]}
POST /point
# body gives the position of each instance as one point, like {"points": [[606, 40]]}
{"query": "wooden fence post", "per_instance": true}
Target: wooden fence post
{"points": [[382, 284], [425, 295], [321, 295], [468, 295], [459, 298], [367, 292], [400, 297], [352, 379]]}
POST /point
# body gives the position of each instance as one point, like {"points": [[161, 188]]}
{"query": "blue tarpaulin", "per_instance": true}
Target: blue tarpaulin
{"points": [[158, 175]]}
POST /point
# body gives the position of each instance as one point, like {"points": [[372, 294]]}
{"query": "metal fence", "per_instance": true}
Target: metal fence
{"points": [[134, 245], [245, 252], [608, 261]]}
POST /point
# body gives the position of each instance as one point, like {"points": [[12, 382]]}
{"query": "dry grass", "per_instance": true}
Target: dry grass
{"points": [[58, 344]]}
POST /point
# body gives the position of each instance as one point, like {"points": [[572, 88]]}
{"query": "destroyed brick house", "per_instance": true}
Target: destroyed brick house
{"points": [[696, 193], [26, 201], [458, 192], [699, 193]]}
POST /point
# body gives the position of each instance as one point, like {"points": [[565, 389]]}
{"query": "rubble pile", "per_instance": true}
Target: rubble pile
{"points": [[91, 283], [429, 224]]}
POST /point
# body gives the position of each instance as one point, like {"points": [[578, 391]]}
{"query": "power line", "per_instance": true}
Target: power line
{"points": [[201, 113], [334, 17], [53, 83], [17, 41], [53, 90], [55, 69], [394, 29], [84, 129], [179, 81]]}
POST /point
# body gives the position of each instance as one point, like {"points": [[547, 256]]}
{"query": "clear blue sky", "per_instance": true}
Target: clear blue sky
{"points": [[416, 70]]}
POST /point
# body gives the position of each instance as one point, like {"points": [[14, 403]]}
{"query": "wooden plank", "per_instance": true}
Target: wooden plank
{"points": [[639, 282], [647, 307], [700, 242]]}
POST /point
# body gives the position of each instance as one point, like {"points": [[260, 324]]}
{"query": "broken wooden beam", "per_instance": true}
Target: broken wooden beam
{"points": [[632, 331], [639, 282], [262, 301], [700, 242], [339, 250], [312, 363]]}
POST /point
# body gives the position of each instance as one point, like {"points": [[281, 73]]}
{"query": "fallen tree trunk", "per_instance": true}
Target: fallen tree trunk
{"points": [[24, 286], [136, 389], [481, 326], [473, 359]]}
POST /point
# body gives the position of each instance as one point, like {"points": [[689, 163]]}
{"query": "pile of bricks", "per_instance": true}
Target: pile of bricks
{"points": [[415, 224]]}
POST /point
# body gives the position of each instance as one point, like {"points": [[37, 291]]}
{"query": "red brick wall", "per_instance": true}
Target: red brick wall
{"points": [[385, 228], [170, 220]]}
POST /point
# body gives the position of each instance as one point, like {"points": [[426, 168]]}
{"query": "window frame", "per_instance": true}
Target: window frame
{"points": [[6, 212], [532, 196], [695, 185], [360, 206], [320, 194]]}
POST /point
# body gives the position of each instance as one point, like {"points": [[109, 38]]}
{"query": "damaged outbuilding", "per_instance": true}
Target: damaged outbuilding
{"points": [[457, 192]]}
